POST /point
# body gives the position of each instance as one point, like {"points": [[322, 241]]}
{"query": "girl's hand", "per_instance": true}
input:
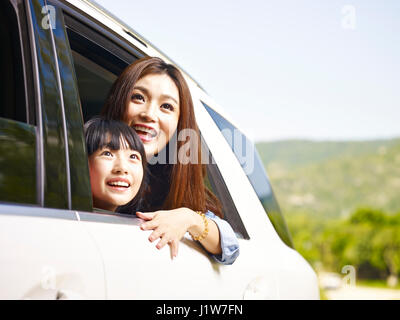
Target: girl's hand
{"points": [[168, 225]]}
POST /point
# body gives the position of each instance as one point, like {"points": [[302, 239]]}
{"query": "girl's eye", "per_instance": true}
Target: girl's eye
{"points": [[137, 96], [167, 106], [135, 156], [106, 153]]}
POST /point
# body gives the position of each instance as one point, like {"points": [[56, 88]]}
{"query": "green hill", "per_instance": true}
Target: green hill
{"points": [[330, 179]]}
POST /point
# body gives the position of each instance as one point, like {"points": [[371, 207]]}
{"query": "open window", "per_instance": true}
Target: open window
{"points": [[98, 61]]}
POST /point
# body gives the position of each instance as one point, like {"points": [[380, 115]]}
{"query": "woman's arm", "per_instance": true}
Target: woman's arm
{"points": [[171, 225], [212, 242], [228, 239]]}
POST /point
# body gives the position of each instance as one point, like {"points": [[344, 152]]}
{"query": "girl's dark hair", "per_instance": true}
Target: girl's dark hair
{"points": [[103, 133], [171, 186]]}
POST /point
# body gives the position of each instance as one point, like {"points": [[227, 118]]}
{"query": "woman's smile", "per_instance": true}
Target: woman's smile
{"points": [[145, 132]]}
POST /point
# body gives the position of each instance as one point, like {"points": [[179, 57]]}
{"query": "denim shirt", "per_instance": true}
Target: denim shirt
{"points": [[229, 242]]}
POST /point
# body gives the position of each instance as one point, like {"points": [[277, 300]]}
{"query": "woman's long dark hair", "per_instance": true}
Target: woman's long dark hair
{"points": [[102, 133], [171, 185]]}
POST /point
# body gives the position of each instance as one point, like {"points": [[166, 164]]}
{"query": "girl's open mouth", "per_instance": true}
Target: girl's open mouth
{"points": [[116, 184]]}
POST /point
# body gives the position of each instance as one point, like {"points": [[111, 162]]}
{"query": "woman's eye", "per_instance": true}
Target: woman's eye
{"points": [[137, 96], [167, 106]]}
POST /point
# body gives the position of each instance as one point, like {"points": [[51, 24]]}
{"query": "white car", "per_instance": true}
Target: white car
{"points": [[59, 59]]}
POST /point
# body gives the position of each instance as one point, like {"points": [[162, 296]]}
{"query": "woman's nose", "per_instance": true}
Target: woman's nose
{"points": [[149, 113]]}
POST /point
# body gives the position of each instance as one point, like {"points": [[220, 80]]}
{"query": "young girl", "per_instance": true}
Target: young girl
{"points": [[117, 165]]}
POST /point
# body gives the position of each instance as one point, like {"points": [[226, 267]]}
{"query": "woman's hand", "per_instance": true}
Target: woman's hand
{"points": [[169, 225]]}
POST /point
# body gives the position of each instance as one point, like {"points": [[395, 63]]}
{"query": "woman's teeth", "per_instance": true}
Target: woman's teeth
{"points": [[140, 129]]}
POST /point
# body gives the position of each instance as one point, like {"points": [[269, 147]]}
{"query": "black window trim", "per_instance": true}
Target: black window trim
{"points": [[97, 32], [64, 121], [38, 107]]}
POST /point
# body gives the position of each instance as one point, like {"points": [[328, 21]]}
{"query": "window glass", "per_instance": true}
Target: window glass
{"points": [[17, 138], [94, 83], [216, 184], [12, 94], [96, 70], [250, 161]]}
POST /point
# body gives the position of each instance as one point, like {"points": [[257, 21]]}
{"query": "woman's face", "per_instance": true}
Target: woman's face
{"points": [[115, 177], [153, 111]]}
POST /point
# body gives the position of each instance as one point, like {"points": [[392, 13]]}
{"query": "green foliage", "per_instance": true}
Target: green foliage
{"points": [[368, 240], [332, 179], [368, 216], [327, 192]]}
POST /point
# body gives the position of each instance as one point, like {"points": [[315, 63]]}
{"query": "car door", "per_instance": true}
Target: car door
{"points": [[269, 267], [266, 268], [134, 268], [44, 251]]}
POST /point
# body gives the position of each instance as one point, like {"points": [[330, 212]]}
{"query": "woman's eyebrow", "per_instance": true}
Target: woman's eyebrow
{"points": [[143, 89], [166, 96], [147, 93]]}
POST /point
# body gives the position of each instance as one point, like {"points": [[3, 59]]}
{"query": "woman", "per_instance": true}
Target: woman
{"points": [[152, 97]]}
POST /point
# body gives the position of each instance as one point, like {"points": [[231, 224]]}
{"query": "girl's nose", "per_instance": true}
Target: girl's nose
{"points": [[120, 167]]}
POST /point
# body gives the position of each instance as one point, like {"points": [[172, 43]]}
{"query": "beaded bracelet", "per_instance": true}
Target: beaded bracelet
{"points": [[205, 232]]}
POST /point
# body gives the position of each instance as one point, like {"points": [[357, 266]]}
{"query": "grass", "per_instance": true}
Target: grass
{"points": [[322, 294], [376, 284]]}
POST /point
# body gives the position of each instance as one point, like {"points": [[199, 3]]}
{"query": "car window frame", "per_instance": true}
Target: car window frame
{"points": [[86, 29], [51, 126], [269, 203], [89, 30]]}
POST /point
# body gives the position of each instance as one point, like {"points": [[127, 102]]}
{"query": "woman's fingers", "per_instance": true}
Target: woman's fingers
{"points": [[164, 240], [167, 226], [149, 225], [145, 215], [174, 247], [155, 234]]}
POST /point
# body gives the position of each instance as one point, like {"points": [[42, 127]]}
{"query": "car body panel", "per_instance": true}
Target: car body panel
{"points": [[47, 254]]}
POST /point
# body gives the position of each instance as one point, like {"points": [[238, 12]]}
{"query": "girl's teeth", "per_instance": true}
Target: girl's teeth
{"points": [[119, 184]]}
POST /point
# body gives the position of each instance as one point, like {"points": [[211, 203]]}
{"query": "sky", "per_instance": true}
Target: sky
{"points": [[285, 69]]}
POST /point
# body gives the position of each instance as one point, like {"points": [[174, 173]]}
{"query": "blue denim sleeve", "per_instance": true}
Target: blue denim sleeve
{"points": [[229, 242]]}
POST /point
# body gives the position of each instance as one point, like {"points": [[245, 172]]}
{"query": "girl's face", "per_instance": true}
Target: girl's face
{"points": [[153, 111], [115, 176]]}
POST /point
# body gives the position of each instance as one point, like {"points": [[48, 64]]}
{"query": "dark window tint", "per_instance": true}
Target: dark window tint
{"points": [[249, 159], [17, 162], [216, 184], [97, 61], [17, 139], [12, 93]]}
